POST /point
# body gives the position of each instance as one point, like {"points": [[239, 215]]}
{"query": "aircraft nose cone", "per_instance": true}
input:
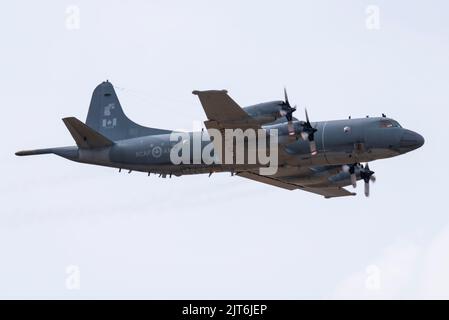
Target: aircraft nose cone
{"points": [[410, 141]]}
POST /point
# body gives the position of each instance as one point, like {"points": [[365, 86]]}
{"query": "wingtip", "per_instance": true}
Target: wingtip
{"points": [[197, 92], [67, 118]]}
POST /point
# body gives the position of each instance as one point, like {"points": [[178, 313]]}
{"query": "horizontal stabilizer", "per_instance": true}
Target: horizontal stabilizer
{"points": [[84, 136]]}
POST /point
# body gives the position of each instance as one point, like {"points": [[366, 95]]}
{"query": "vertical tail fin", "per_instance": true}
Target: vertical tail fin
{"points": [[106, 116]]}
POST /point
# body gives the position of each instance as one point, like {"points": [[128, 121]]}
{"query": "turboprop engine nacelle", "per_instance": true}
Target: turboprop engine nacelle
{"points": [[267, 112]]}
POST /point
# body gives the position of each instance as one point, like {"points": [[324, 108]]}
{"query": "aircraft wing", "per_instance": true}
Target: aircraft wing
{"points": [[327, 192], [223, 112]]}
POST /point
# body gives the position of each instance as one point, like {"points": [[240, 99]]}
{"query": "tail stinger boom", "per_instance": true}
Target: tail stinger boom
{"points": [[106, 123]]}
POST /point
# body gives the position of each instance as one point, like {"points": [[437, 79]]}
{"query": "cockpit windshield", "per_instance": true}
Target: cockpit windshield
{"points": [[388, 123]]}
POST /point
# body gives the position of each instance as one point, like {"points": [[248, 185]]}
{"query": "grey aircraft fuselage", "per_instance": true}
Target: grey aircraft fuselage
{"points": [[338, 142]]}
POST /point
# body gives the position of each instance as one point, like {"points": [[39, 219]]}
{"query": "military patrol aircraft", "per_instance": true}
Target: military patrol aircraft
{"points": [[319, 157]]}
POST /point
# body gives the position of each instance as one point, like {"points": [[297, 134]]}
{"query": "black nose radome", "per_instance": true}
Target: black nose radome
{"points": [[410, 141]]}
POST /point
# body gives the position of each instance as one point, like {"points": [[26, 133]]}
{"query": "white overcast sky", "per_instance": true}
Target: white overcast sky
{"points": [[131, 236]]}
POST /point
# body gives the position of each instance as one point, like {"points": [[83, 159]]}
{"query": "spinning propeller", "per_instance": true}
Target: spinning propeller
{"points": [[365, 174], [307, 132], [288, 110]]}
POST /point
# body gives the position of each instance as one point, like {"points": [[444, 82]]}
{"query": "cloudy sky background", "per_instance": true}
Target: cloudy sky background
{"points": [[131, 236]]}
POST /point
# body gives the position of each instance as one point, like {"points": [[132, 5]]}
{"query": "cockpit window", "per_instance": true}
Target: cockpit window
{"points": [[389, 124]]}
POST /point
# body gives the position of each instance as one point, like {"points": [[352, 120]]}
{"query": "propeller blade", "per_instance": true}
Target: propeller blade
{"points": [[304, 135], [367, 189], [286, 97], [311, 136], [308, 133], [290, 128], [367, 175], [313, 149], [351, 171], [354, 180], [286, 109]]}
